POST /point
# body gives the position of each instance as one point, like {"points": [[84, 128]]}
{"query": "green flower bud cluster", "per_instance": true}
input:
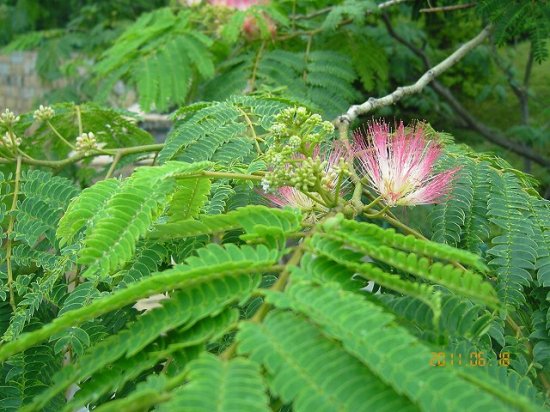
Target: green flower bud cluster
{"points": [[86, 143], [307, 175], [10, 140], [8, 118], [299, 128], [44, 113], [331, 175], [295, 133]]}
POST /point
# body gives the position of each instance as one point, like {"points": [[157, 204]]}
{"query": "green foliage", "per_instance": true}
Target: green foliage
{"points": [[350, 9], [515, 18], [492, 212], [161, 55], [514, 250], [126, 214], [238, 382], [159, 276], [224, 132], [321, 79]]}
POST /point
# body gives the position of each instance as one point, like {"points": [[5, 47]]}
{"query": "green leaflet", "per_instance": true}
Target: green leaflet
{"points": [[305, 368], [321, 79], [257, 222], [336, 251], [461, 281], [160, 53], [44, 199], [409, 243], [541, 218], [27, 374], [220, 131], [459, 317], [127, 368], [83, 209], [214, 262], [238, 382], [206, 299], [513, 250], [189, 198], [118, 214], [367, 333]]}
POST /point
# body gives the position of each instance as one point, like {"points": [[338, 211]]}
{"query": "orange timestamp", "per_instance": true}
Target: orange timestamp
{"points": [[443, 359]]}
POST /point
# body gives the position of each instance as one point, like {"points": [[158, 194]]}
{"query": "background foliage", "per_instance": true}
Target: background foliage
{"points": [[273, 309]]}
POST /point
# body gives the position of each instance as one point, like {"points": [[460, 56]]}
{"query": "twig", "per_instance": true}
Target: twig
{"points": [[279, 285], [54, 130], [306, 57], [519, 335], [10, 230], [491, 135], [429, 76], [79, 119], [381, 6], [325, 10], [252, 130], [447, 8], [519, 90], [58, 164], [252, 82], [111, 170], [219, 175]]}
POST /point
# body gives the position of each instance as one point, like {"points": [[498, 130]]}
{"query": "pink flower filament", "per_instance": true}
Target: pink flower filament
{"points": [[400, 167]]}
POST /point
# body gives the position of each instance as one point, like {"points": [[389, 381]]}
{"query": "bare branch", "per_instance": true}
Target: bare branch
{"points": [[473, 123], [429, 76], [519, 90], [320, 12], [490, 134], [447, 8]]}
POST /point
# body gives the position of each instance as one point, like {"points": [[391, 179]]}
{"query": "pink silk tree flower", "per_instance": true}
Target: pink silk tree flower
{"points": [[290, 196], [400, 166]]}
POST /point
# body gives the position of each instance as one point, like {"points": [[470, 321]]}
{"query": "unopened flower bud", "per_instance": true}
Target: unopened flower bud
{"points": [[86, 143], [294, 141], [328, 127], [265, 185], [8, 118], [44, 113], [10, 140]]}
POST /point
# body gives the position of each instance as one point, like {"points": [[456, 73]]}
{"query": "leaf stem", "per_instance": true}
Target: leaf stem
{"points": [[404, 227], [79, 119], [373, 203], [251, 127], [219, 175], [111, 170], [279, 285], [378, 213], [58, 164], [54, 130], [10, 231]]}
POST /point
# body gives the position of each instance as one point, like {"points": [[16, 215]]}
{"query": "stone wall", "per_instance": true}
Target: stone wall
{"points": [[20, 86]]}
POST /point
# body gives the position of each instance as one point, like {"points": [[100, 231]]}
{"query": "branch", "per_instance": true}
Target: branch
{"points": [[320, 12], [10, 230], [400, 92], [491, 135], [519, 90], [448, 8], [58, 164]]}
